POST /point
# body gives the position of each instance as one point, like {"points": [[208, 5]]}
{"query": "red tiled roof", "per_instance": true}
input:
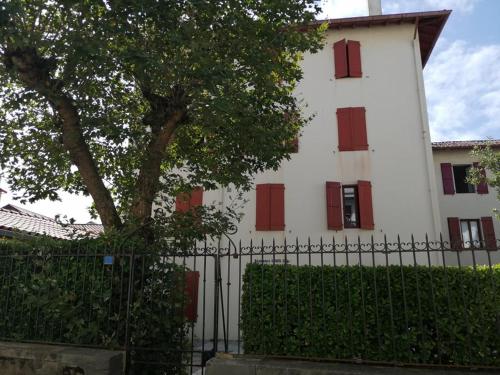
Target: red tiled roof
{"points": [[459, 145], [429, 25], [17, 219]]}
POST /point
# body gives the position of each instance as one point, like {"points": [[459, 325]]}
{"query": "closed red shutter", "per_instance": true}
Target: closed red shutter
{"points": [[358, 129], [333, 205], [340, 57], [263, 206], [365, 205], [482, 188], [447, 174], [344, 129], [490, 240], [354, 58], [277, 209], [182, 202], [192, 279], [295, 145], [196, 197], [455, 235]]}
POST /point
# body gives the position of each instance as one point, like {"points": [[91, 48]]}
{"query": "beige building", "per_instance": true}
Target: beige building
{"points": [[364, 165]]}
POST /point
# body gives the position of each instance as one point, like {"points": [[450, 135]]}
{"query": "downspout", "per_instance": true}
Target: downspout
{"points": [[431, 177]]}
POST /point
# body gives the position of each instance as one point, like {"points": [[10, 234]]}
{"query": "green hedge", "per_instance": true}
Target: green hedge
{"points": [[61, 292], [346, 312]]}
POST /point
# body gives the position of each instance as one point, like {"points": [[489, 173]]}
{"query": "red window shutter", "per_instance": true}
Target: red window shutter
{"points": [[482, 188], [489, 233], [354, 58], [344, 129], [263, 207], [447, 174], [340, 57], [196, 197], [365, 205], [358, 129], [334, 205], [182, 202], [455, 235], [192, 279], [277, 207]]}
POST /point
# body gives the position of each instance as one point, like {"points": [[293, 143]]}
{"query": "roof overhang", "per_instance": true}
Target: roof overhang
{"points": [[464, 145], [428, 24]]}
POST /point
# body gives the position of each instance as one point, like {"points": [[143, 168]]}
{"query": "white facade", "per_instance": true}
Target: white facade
{"points": [[465, 206], [398, 162]]}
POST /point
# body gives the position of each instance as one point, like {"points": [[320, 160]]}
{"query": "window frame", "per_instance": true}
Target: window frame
{"points": [[468, 166], [349, 225], [471, 242]]}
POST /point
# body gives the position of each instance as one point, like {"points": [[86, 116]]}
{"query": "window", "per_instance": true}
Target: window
{"points": [[270, 207], [460, 175], [471, 233], [454, 179], [186, 201], [350, 202], [466, 233], [347, 57], [349, 206], [352, 129]]}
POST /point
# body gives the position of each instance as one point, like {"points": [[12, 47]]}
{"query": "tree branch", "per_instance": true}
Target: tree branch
{"points": [[34, 72]]}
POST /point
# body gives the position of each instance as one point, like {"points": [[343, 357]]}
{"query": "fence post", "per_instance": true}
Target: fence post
{"points": [[130, 294]]}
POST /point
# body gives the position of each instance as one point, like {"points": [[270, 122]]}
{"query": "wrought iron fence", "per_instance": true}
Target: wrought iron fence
{"points": [[400, 302]]}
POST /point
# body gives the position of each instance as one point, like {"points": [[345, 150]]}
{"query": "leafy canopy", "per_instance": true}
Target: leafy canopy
{"points": [[131, 101]]}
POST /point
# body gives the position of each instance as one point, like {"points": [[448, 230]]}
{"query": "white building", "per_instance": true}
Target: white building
{"points": [[364, 165]]}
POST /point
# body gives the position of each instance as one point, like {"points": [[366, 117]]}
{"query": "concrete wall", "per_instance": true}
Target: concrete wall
{"points": [[398, 162], [243, 365], [33, 359]]}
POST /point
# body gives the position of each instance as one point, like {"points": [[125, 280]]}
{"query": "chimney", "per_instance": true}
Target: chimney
{"points": [[375, 7]]}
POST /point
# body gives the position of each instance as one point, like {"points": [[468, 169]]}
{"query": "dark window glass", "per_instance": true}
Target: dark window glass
{"points": [[351, 206], [460, 174], [471, 233]]}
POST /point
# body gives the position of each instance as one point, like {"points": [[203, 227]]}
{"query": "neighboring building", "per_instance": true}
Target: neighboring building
{"points": [[17, 222], [466, 210], [364, 165]]}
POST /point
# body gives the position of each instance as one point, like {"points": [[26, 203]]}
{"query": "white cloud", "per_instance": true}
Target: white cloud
{"points": [[353, 8], [463, 92], [401, 6]]}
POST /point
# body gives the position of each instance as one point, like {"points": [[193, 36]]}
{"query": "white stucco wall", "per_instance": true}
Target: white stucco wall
{"points": [[464, 205], [398, 156]]}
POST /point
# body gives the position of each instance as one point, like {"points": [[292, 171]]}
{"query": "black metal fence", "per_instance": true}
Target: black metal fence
{"points": [[404, 302]]}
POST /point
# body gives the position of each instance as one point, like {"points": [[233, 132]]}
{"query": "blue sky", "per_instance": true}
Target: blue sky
{"points": [[462, 78]]}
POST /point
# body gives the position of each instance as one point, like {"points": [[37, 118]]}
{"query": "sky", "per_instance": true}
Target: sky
{"points": [[462, 79]]}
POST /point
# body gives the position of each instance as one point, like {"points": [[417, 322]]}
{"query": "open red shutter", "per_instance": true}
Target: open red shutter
{"points": [[263, 206], [354, 58], [340, 57], [277, 219], [447, 174], [482, 188], [333, 205], [358, 129], [344, 129], [196, 197], [182, 202], [365, 205], [489, 233], [192, 279], [455, 236]]}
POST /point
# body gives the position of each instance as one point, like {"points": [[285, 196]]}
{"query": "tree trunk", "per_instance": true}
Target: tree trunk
{"points": [[34, 73]]}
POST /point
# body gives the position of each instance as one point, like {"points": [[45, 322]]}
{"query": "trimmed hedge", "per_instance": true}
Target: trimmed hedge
{"points": [[351, 312], [62, 292]]}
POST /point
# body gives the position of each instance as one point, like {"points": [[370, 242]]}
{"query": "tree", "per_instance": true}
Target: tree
{"points": [[134, 101], [489, 159]]}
